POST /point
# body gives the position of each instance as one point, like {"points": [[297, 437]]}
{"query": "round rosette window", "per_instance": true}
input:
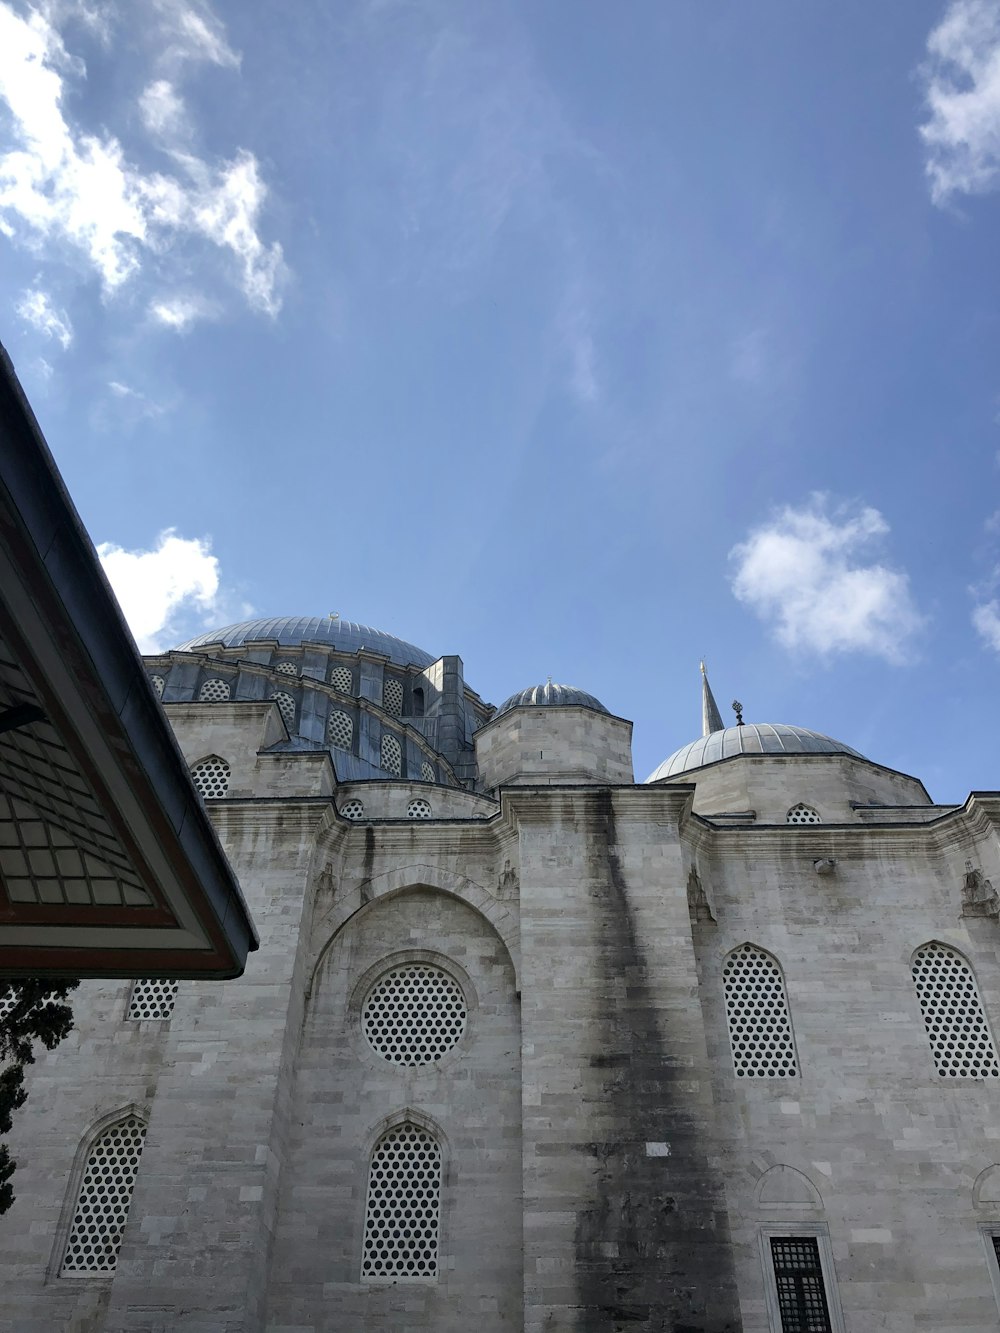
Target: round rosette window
{"points": [[414, 1014]]}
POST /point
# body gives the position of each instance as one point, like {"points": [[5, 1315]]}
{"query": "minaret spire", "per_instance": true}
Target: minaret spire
{"points": [[711, 718]]}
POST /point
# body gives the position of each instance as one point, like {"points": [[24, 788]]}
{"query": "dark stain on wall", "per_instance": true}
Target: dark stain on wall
{"points": [[652, 1242]]}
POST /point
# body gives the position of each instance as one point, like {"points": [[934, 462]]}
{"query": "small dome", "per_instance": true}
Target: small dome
{"points": [[555, 696], [289, 631], [751, 738]]}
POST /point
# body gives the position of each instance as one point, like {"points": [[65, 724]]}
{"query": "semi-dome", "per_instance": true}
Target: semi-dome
{"points": [[289, 631], [750, 738], [556, 696]]}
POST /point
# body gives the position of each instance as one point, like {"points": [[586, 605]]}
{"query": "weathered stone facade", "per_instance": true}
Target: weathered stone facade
{"points": [[603, 1165]]}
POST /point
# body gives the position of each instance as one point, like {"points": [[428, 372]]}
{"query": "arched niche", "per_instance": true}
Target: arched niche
{"points": [[783, 1187]]}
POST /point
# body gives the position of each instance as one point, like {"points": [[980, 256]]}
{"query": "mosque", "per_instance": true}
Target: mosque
{"points": [[528, 1044]]}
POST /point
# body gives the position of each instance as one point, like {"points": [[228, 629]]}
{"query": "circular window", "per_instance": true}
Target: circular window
{"points": [[414, 1014]]}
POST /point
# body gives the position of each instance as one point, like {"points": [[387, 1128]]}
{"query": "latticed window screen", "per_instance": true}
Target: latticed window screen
{"points": [[392, 755], [353, 809], [153, 998], [95, 1234], [211, 776], [427, 771], [392, 695], [803, 814], [798, 1277], [286, 707], [340, 729], [158, 684], [341, 679], [214, 691], [760, 1027], [404, 1205], [286, 668], [8, 1001], [414, 1014], [418, 809], [953, 1014]]}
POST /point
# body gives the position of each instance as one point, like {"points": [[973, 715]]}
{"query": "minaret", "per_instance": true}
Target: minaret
{"points": [[711, 718]]}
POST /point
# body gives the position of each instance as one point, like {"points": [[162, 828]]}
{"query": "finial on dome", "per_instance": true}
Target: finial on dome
{"points": [[711, 718], [738, 710]]}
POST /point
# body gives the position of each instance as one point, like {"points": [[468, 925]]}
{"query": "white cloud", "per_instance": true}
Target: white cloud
{"points": [[962, 78], [36, 308], [156, 588], [575, 333], [986, 620], [180, 312], [806, 574], [192, 32], [65, 187], [139, 405]]}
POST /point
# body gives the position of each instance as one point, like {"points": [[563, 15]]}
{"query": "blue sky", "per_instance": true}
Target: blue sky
{"points": [[583, 340]]}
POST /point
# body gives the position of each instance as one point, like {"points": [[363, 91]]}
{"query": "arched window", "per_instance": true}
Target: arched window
{"points": [[392, 695], [286, 707], [392, 755], [286, 668], [802, 814], [402, 1215], [341, 679], [211, 776], [760, 1027], [353, 809], [158, 684], [340, 729], [427, 771], [152, 999], [214, 691], [418, 809], [957, 1030], [95, 1234], [418, 701]]}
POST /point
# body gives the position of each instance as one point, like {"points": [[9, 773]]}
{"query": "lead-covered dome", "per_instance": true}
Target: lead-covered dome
{"points": [[750, 738], [555, 696], [289, 631]]}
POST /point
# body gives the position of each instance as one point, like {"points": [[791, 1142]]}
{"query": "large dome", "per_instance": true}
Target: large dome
{"points": [[555, 696], [289, 631], [751, 738]]}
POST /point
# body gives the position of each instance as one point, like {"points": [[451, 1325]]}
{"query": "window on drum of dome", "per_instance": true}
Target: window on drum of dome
{"points": [[286, 668], [340, 730], [959, 1035], [102, 1205], [392, 696], [158, 684], [391, 755], [426, 771], [760, 1026], [802, 814], [403, 1207], [341, 679], [214, 691], [418, 701], [211, 776], [286, 707], [152, 999]]}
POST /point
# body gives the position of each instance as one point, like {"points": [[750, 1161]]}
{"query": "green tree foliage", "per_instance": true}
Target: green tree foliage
{"points": [[35, 1012]]}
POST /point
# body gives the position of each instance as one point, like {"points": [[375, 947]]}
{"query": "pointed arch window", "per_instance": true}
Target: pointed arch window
{"points": [[211, 776], [760, 1026], [391, 755], [403, 1209], [341, 679], [959, 1035], [340, 729], [102, 1205]]}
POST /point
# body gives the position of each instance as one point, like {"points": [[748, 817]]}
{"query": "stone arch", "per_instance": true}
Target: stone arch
{"points": [[784, 1187], [986, 1190], [366, 894]]}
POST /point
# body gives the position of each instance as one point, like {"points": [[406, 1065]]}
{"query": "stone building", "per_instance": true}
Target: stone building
{"points": [[527, 1044]]}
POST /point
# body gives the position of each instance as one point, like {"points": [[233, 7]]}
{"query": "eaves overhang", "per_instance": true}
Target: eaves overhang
{"points": [[109, 865]]}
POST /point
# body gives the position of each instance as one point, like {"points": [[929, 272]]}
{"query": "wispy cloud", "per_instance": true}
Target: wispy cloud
{"points": [[62, 189], [809, 575], [962, 78], [139, 404], [986, 621], [157, 589], [192, 32], [180, 312], [35, 308]]}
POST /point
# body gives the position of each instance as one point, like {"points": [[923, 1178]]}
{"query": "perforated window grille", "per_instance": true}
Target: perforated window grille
{"points": [[340, 730], [414, 1014], [427, 771], [286, 707], [799, 1280], [158, 684], [286, 668], [404, 1205], [341, 679], [953, 1014], [211, 776], [214, 691], [95, 1234], [152, 999], [392, 755], [353, 809], [392, 695], [760, 1027], [8, 1001], [418, 809], [802, 814]]}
